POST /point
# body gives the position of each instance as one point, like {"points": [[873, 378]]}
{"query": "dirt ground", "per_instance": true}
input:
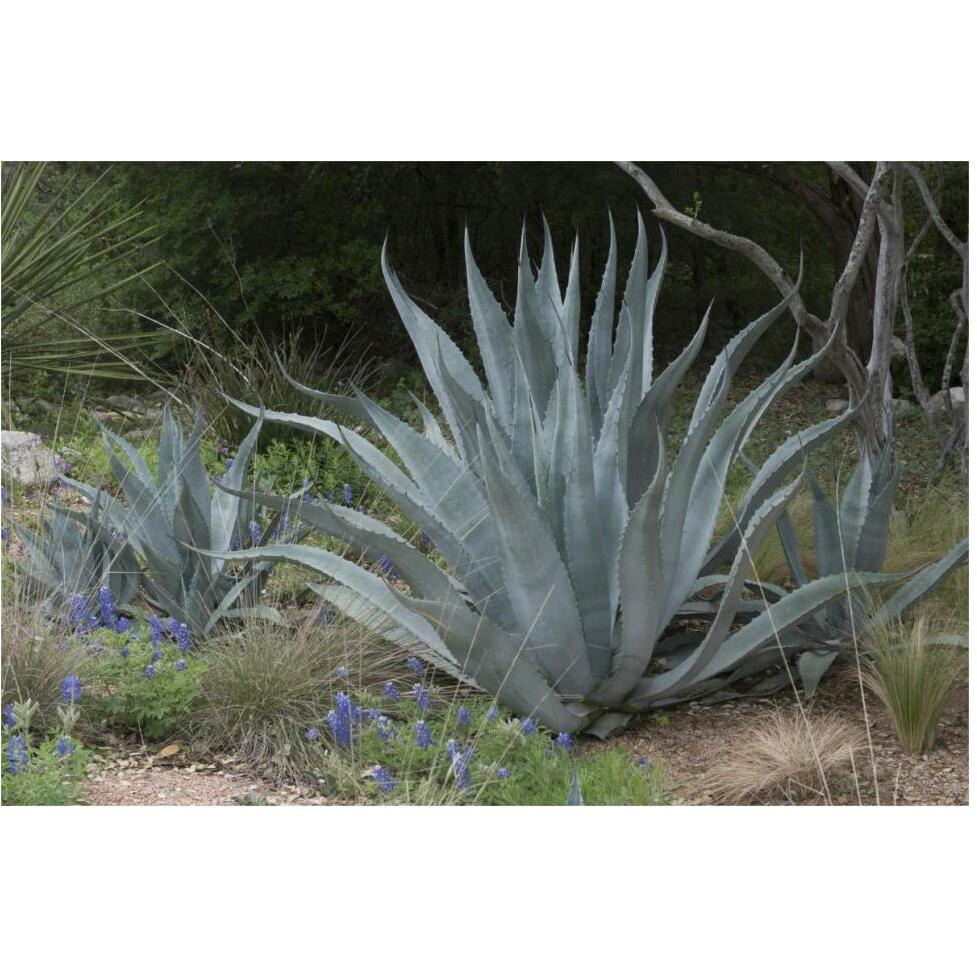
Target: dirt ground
{"points": [[688, 741], [694, 738]]}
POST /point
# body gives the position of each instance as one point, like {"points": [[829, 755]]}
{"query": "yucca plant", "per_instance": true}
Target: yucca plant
{"points": [[169, 519], [75, 555], [574, 545], [851, 537]]}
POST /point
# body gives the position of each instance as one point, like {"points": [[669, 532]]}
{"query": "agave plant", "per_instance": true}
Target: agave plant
{"points": [[851, 537], [574, 543], [168, 519], [78, 554]]}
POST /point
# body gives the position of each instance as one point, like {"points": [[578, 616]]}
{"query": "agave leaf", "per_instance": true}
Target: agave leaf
{"points": [[347, 405], [599, 342], [697, 665], [769, 476], [640, 561], [654, 409], [432, 430], [494, 336], [575, 797], [549, 303], [497, 662], [531, 343], [812, 665], [924, 581], [225, 507], [874, 537], [852, 511], [652, 290], [538, 585], [570, 315]]}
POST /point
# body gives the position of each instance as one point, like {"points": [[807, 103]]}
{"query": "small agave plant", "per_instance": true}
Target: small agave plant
{"points": [[852, 537], [78, 554], [574, 544], [169, 519]]}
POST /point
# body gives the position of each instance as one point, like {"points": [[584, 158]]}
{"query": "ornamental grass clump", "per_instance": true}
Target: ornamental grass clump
{"points": [[914, 669], [266, 687], [571, 549], [785, 757]]}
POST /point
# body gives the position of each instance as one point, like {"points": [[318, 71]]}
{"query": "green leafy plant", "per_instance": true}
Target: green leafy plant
{"points": [[40, 773], [573, 542], [913, 670], [65, 253], [170, 518], [137, 686]]}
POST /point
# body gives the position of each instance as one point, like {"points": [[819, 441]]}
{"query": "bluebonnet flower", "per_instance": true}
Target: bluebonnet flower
{"points": [[124, 651], [255, 530], [374, 714], [325, 615], [171, 624], [390, 691], [123, 624], [149, 671], [311, 734], [236, 542], [106, 607], [283, 526], [422, 734], [222, 447], [385, 728], [643, 762], [493, 712], [342, 672], [528, 726], [155, 656], [386, 567], [155, 630], [8, 715], [228, 465], [183, 638], [421, 697], [340, 720], [385, 782], [306, 494], [180, 666], [4, 494], [71, 690], [16, 754], [347, 494], [464, 716], [5, 536], [502, 773], [415, 664], [80, 619], [565, 742], [65, 746], [459, 764]]}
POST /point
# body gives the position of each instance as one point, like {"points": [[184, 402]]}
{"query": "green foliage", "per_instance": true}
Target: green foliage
{"points": [[58, 255], [45, 772], [48, 778], [122, 695], [534, 769], [914, 668], [572, 539]]}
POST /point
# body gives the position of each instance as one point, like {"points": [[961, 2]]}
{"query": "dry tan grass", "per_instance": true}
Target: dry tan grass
{"points": [[784, 755]]}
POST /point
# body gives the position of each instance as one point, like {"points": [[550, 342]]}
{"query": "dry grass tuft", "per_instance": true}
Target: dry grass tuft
{"points": [[786, 756]]}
